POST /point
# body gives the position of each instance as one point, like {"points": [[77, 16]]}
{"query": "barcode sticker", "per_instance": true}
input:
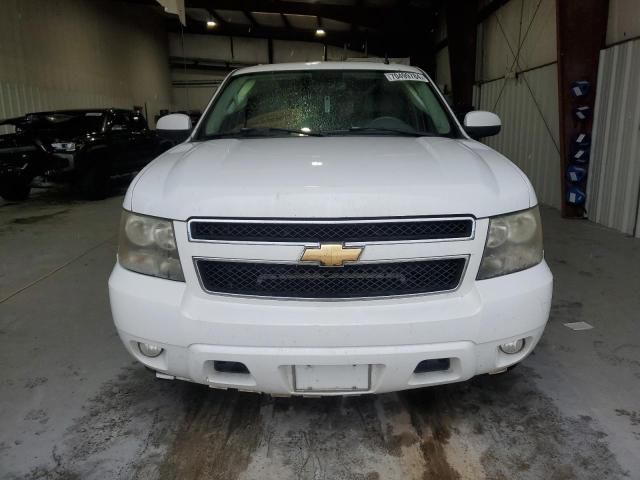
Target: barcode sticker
{"points": [[405, 76]]}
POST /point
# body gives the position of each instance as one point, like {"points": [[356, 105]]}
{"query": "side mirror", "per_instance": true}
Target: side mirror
{"points": [[174, 122], [479, 124]]}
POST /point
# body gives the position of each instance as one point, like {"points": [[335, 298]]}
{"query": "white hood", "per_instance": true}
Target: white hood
{"points": [[329, 177]]}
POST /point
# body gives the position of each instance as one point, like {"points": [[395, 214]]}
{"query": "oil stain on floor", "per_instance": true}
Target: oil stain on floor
{"points": [[496, 427]]}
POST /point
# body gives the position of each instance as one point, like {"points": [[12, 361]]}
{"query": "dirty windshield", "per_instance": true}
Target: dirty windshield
{"points": [[326, 102]]}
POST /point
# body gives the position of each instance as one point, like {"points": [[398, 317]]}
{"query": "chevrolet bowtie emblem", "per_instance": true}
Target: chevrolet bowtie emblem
{"points": [[331, 254]]}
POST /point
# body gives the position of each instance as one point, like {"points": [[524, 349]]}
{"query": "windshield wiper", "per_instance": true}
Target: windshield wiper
{"points": [[260, 132], [395, 131]]}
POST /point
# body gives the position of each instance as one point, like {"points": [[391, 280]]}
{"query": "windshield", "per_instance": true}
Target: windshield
{"points": [[326, 102]]}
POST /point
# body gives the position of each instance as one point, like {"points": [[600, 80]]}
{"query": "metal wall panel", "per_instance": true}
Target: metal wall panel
{"points": [[614, 178], [528, 107], [76, 54], [526, 28], [623, 21]]}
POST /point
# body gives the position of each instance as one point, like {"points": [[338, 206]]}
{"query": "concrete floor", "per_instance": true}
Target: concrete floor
{"points": [[73, 405]]}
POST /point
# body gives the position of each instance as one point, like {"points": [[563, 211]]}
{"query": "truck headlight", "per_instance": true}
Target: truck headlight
{"points": [[148, 245], [65, 146], [514, 243]]}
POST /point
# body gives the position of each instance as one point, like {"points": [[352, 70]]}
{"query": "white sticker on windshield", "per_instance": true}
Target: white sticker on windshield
{"points": [[404, 76], [93, 114]]}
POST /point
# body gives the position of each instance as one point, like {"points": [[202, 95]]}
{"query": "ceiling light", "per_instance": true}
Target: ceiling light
{"points": [[211, 23], [320, 32]]}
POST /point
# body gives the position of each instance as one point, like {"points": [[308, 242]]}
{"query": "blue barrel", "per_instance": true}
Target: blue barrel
{"points": [[580, 88], [582, 140], [575, 196], [576, 173], [582, 113]]}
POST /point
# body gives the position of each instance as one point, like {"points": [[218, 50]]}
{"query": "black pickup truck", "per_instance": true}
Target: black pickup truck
{"points": [[82, 147], [21, 158]]}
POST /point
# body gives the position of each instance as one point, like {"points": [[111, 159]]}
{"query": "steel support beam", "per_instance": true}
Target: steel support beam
{"points": [[581, 32], [419, 48], [461, 32]]}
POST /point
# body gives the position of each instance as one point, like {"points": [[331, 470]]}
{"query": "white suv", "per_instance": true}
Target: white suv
{"points": [[330, 228]]}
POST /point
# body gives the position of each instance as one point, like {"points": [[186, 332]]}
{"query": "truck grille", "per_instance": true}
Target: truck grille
{"points": [[312, 281], [342, 231]]}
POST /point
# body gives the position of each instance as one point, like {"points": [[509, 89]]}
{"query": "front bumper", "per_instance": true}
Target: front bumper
{"points": [[270, 336], [11, 173]]}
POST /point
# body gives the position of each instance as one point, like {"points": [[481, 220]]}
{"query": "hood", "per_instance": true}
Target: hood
{"points": [[329, 177]]}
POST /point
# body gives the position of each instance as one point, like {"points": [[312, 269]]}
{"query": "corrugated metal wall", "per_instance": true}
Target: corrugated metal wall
{"points": [[77, 54], [518, 79], [521, 35], [528, 107], [614, 181]]}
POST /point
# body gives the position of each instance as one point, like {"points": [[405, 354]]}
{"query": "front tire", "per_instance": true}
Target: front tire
{"points": [[16, 191]]}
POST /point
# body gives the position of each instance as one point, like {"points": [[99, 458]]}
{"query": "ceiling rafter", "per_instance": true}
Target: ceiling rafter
{"points": [[285, 20], [250, 17], [376, 44], [214, 16], [380, 30], [261, 31], [369, 16]]}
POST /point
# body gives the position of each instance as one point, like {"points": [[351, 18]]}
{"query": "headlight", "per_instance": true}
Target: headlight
{"points": [[66, 146], [148, 245], [514, 243]]}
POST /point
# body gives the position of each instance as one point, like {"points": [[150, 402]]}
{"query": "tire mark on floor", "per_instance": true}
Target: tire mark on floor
{"points": [[495, 427], [217, 437]]}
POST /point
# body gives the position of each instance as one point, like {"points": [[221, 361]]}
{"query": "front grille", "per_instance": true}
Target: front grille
{"points": [[312, 281], [369, 231]]}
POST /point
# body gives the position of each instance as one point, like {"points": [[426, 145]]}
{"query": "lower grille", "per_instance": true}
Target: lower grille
{"points": [[312, 281]]}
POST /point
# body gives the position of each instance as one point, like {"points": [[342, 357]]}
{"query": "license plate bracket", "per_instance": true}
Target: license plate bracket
{"points": [[331, 378]]}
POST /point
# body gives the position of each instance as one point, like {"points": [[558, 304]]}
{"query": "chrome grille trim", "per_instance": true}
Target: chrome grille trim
{"points": [[398, 220]]}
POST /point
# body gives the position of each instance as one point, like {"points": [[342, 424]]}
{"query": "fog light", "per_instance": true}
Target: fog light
{"points": [[512, 347], [149, 350]]}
